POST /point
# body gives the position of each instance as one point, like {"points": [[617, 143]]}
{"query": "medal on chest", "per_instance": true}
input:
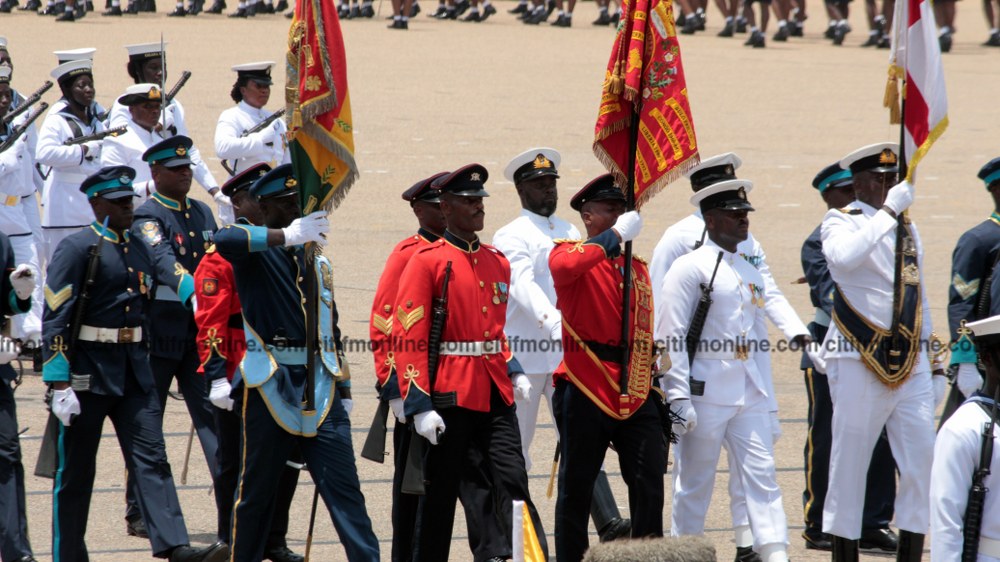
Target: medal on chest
{"points": [[179, 240]]}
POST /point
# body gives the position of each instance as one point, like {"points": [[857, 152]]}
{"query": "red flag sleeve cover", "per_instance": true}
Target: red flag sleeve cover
{"points": [[221, 342], [589, 293], [477, 310]]}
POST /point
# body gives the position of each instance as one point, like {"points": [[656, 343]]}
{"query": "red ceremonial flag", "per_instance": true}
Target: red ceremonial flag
{"points": [[645, 76], [916, 58], [320, 130]]}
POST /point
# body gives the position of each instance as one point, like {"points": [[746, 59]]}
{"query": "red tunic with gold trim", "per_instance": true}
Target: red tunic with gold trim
{"points": [[477, 311], [380, 326], [589, 293], [221, 341]]}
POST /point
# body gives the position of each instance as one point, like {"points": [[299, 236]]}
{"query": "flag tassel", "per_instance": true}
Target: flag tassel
{"points": [[891, 98], [616, 84]]}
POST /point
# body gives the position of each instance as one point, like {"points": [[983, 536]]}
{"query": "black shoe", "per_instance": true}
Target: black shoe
{"points": [[844, 550], [690, 25], [473, 17], [251, 10], [263, 8], [283, 554], [883, 540], [781, 34], [756, 40], [136, 527], [398, 24], [884, 43], [839, 34], [66, 16], [831, 31], [281, 6], [945, 41], [727, 31], [617, 17], [536, 17], [872, 40], [80, 10], [354, 13], [461, 6], [602, 19], [816, 540], [741, 26], [617, 528], [342, 10], [562, 21], [746, 554], [367, 12], [239, 13], [31, 6], [700, 21], [414, 10], [28, 558], [112, 11], [218, 552], [217, 8], [993, 41], [177, 13], [488, 11], [796, 29], [50, 11], [439, 13], [195, 8], [5, 8], [519, 9], [550, 7], [132, 9]]}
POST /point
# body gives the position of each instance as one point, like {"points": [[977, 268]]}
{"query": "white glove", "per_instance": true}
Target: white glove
{"points": [[269, 135], [65, 405], [428, 425], [397, 409], [310, 228], [555, 333], [219, 394], [813, 351], [775, 428], [522, 386], [628, 225], [23, 280], [93, 150], [348, 405], [9, 350], [685, 409], [221, 199], [194, 302], [900, 197], [940, 386], [968, 379]]}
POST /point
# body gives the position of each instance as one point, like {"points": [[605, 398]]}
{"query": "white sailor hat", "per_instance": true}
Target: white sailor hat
{"points": [[138, 93], [881, 157], [5, 72], [533, 163], [728, 195], [3, 43], [145, 50], [84, 53], [256, 71], [72, 69], [718, 168]]}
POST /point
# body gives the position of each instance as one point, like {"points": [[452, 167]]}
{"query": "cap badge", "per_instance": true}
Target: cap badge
{"points": [[541, 162], [887, 157], [124, 179], [474, 176], [154, 93], [729, 170], [290, 183], [742, 194], [181, 151]]}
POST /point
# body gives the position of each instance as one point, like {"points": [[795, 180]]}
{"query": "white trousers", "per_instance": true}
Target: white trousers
{"points": [[861, 406], [527, 411], [20, 224], [746, 432]]}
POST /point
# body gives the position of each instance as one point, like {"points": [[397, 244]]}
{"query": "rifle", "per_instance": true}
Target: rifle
{"points": [[983, 301], [23, 127], [374, 448], [413, 474], [977, 494], [255, 129], [45, 467], [96, 136], [185, 76], [28, 102], [700, 314]]}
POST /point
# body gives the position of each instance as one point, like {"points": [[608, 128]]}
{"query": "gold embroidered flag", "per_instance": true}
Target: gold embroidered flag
{"points": [[320, 131], [644, 86]]}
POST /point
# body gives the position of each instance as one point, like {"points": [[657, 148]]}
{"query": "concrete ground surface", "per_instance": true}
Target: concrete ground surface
{"points": [[445, 94]]}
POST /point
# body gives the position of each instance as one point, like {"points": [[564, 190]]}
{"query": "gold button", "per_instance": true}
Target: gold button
{"points": [[486, 334], [481, 284], [303, 301], [301, 279], [621, 285], [475, 261], [127, 309], [190, 233], [484, 310], [187, 216], [125, 249], [194, 254], [130, 270], [129, 289]]}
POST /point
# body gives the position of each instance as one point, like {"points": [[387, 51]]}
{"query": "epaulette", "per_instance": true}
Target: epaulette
{"points": [[640, 259], [849, 211], [565, 240]]}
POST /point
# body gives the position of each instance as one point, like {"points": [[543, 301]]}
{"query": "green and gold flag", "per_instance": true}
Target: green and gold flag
{"points": [[320, 130]]}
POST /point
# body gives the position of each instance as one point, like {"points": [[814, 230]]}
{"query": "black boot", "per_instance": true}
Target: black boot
{"points": [[217, 7], [604, 512], [844, 550], [31, 5], [911, 547]]}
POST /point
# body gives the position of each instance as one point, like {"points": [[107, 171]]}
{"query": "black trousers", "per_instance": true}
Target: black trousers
{"points": [[495, 436], [192, 385], [137, 420], [880, 493], [486, 534], [227, 425], [13, 521], [584, 435]]}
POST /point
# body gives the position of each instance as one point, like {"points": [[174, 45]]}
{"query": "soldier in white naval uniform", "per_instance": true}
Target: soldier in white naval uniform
{"points": [[687, 235], [70, 55], [882, 385], [957, 454], [251, 93], [146, 64], [722, 394], [143, 103], [65, 209]]}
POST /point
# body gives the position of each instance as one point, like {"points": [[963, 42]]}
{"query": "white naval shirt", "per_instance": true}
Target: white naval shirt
{"points": [[736, 315], [956, 456], [172, 117], [860, 251], [63, 203], [127, 150], [243, 152], [17, 180], [680, 239], [531, 310]]}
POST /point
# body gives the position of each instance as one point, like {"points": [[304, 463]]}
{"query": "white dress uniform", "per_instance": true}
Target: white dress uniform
{"points": [[735, 403], [127, 150], [267, 146], [531, 309], [860, 251], [956, 456]]}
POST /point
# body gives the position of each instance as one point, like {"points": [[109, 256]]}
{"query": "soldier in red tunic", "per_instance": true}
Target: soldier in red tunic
{"points": [[469, 401], [589, 411]]}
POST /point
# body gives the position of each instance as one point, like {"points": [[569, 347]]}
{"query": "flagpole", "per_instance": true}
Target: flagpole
{"points": [[899, 29], [627, 270]]}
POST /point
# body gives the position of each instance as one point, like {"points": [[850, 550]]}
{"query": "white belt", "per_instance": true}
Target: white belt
{"points": [[110, 335], [471, 348], [821, 318], [68, 177], [989, 547]]}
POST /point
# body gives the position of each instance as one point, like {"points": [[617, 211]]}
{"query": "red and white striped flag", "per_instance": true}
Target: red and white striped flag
{"points": [[916, 59]]}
